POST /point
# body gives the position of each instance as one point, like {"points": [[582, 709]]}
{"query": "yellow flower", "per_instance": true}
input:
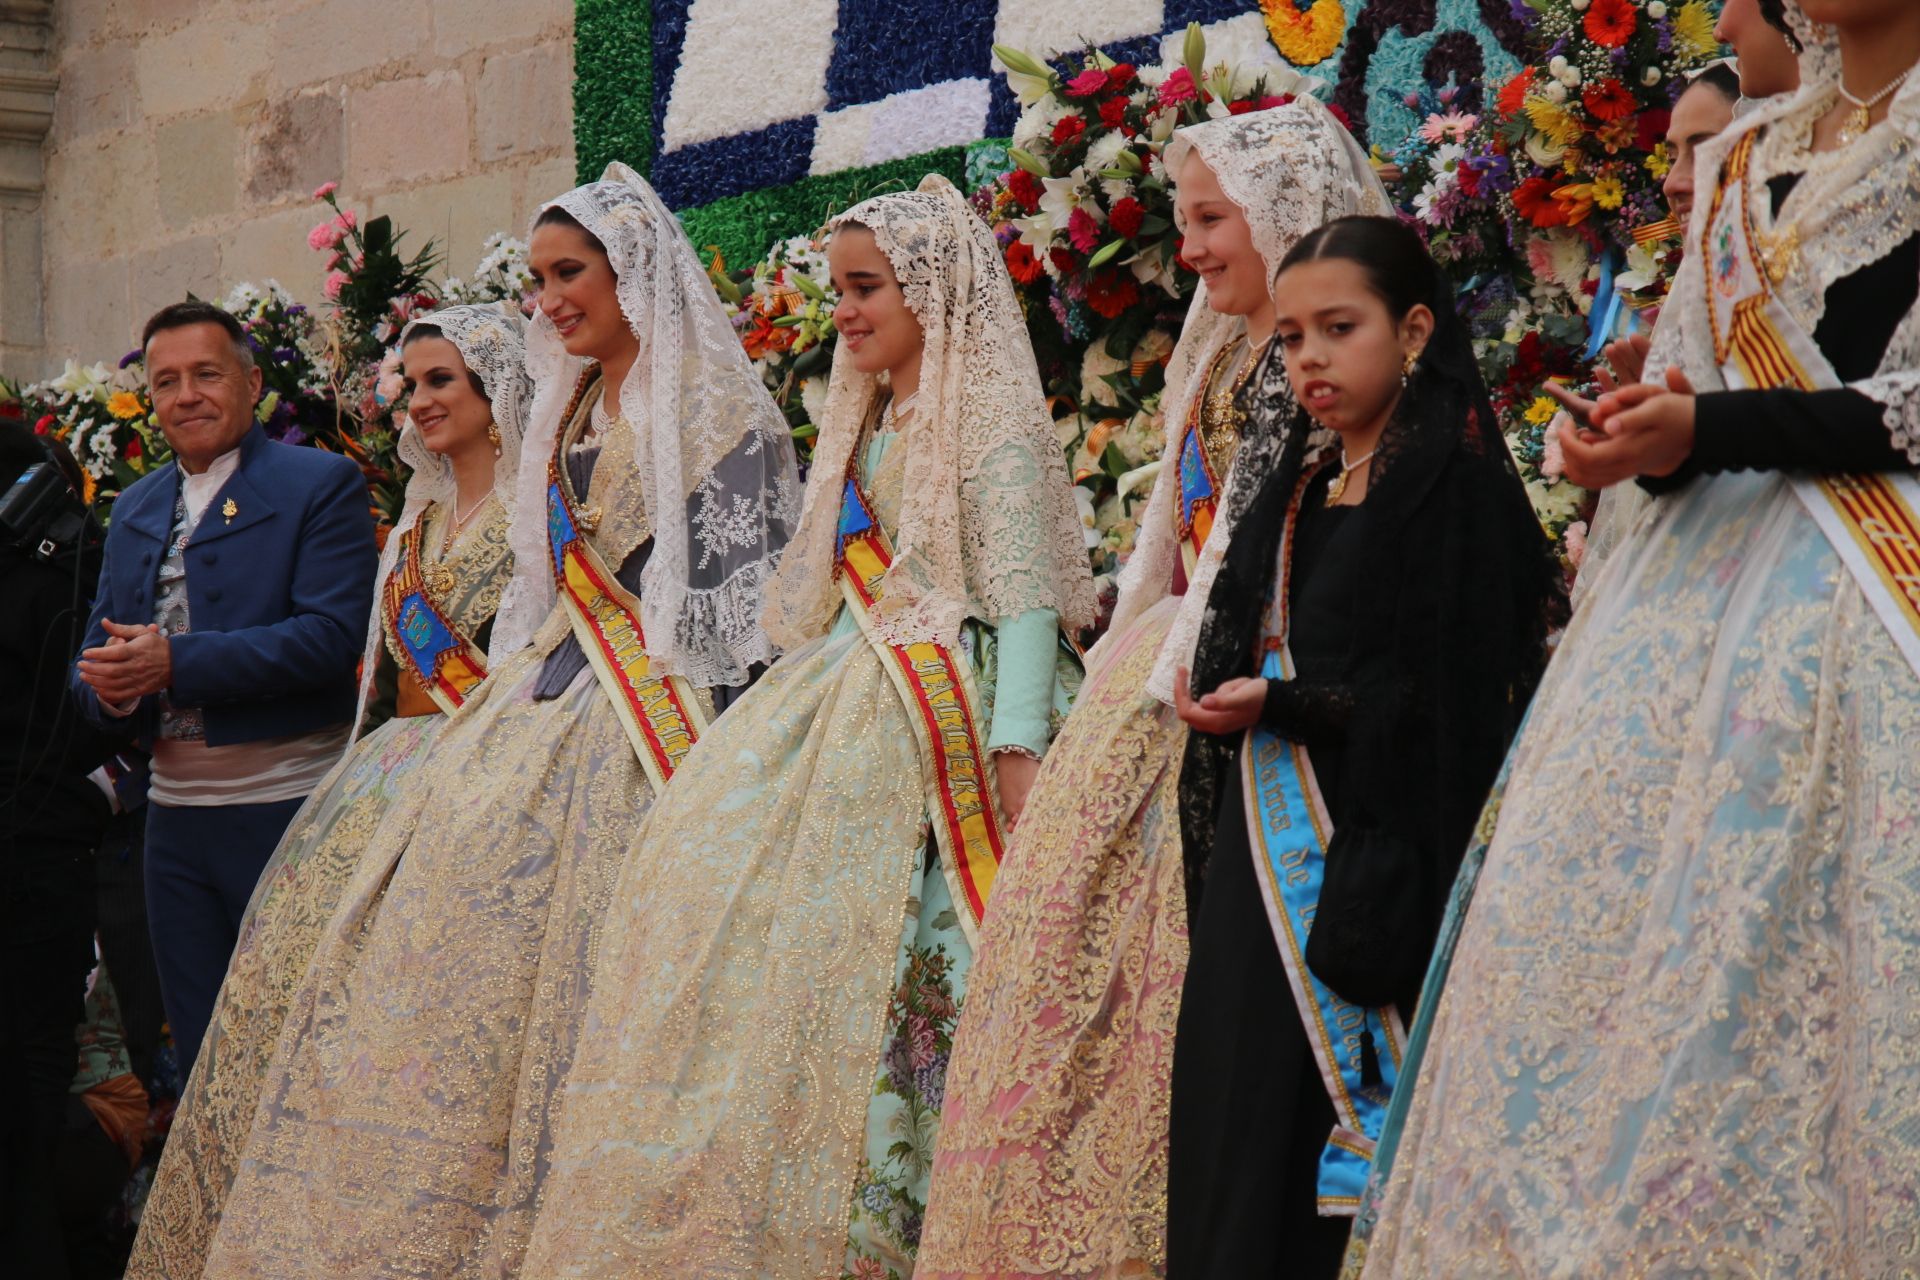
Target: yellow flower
{"points": [[1305, 36], [1659, 161], [124, 405], [1693, 30], [1553, 120], [1541, 411], [1608, 193]]}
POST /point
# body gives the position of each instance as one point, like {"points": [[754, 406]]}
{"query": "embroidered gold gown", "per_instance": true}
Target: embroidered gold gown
{"points": [[296, 895], [760, 1092], [403, 1123]]}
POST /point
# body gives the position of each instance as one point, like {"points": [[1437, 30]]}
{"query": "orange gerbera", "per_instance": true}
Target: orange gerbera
{"points": [[1513, 94]]}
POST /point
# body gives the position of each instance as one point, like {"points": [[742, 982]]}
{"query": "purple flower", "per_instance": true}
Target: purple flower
{"points": [[285, 355], [899, 1064], [132, 356], [930, 1081]]}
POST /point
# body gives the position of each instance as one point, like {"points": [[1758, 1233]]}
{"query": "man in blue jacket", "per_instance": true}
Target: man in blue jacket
{"points": [[225, 633]]}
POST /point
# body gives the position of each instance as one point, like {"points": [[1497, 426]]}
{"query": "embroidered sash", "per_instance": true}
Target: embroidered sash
{"points": [[1289, 829], [937, 686], [663, 717], [1199, 492], [447, 663], [1872, 520]]}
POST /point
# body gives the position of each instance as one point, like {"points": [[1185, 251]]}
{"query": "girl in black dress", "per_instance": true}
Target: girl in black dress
{"points": [[1374, 637]]}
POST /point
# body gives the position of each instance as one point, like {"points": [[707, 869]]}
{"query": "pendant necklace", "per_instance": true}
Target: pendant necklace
{"points": [[1339, 486], [1860, 119], [460, 522]]}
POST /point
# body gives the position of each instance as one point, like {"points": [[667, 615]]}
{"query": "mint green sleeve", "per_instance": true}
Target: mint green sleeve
{"points": [[1023, 700]]}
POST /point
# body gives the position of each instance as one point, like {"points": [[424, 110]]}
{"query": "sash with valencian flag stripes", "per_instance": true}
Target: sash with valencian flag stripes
{"points": [[663, 717], [1873, 521], [1198, 496], [448, 665], [936, 685]]}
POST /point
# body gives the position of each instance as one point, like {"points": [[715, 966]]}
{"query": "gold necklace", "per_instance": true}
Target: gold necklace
{"points": [[1339, 486], [1860, 119], [1220, 417]]}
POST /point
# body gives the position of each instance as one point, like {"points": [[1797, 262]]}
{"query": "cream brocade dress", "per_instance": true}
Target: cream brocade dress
{"points": [[296, 896], [760, 1091], [404, 1123]]}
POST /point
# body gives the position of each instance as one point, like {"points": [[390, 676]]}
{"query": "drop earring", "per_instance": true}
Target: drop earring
{"points": [[493, 434]]}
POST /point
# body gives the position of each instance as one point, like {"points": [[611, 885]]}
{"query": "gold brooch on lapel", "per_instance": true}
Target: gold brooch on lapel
{"points": [[230, 510]]}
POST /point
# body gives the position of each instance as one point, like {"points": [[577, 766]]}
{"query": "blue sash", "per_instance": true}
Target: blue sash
{"points": [[1288, 827]]}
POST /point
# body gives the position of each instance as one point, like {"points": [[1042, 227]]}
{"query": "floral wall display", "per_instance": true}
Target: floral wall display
{"points": [[754, 130], [1544, 202]]}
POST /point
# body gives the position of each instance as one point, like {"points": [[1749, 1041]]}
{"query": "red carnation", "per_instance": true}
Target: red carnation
{"points": [[1112, 291], [1119, 75], [133, 448], [1021, 264], [45, 426], [1534, 199], [1063, 261], [1611, 22], [1025, 188], [1069, 128], [1113, 112], [1609, 100], [1273, 100], [1126, 216], [1240, 108]]}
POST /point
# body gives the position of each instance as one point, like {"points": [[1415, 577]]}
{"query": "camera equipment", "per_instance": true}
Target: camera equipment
{"points": [[41, 514]]}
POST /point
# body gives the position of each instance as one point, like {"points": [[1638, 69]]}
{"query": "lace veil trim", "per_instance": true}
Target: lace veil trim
{"points": [[710, 444], [492, 340], [989, 529]]}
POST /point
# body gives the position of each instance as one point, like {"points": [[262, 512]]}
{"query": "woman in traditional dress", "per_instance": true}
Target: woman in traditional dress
{"points": [[1677, 1036], [760, 1091], [1053, 1155], [403, 1126], [445, 565], [1356, 708]]}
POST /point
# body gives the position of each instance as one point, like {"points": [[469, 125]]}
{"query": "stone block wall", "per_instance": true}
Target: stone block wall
{"points": [[188, 136]]}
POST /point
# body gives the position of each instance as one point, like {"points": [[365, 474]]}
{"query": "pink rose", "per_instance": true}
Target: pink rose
{"points": [[1087, 83], [1553, 461], [1083, 230], [336, 281], [1577, 542], [325, 189], [323, 237], [1177, 88]]}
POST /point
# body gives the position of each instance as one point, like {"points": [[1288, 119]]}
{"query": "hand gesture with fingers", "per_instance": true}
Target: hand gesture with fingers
{"points": [[1638, 430], [1231, 708], [134, 662]]}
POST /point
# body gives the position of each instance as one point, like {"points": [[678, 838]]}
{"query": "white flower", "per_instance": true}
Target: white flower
{"points": [[1149, 270], [1555, 92], [813, 397], [1424, 202], [1062, 196], [1543, 151], [1656, 10], [1650, 77], [1447, 158], [1036, 122], [1162, 123], [1580, 6], [1557, 65], [1105, 151], [1089, 522], [1571, 78], [1095, 367]]}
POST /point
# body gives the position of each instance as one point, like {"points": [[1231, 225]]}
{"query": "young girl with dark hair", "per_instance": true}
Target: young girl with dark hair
{"points": [[1357, 703]]}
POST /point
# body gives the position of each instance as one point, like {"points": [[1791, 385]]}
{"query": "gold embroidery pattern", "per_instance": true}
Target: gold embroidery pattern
{"points": [[1679, 1037], [1053, 1149]]}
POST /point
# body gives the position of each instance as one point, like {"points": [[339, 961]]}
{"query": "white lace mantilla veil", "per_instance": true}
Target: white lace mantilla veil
{"points": [[1858, 205], [493, 341], [1289, 169], [711, 447], [990, 530]]}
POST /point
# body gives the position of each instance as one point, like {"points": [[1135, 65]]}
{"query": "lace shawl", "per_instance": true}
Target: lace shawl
{"points": [[1289, 169], [990, 529], [493, 342], [710, 445], [1851, 207]]}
